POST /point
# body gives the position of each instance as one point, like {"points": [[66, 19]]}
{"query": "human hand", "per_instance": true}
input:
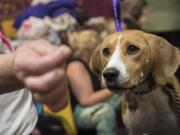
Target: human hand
{"points": [[41, 68]]}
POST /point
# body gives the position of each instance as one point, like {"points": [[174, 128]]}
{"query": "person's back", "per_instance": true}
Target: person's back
{"points": [[92, 104], [161, 15]]}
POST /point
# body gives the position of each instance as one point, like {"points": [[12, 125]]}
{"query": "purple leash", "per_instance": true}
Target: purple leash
{"points": [[117, 14]]}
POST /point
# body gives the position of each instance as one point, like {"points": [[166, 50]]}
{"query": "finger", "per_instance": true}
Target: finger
{"points": [[54, 95], [56, 99], [59, 105], [41, 64], [46, 82]]}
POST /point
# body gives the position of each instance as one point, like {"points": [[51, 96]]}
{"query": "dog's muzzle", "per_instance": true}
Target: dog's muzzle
{"points": [[111, 76]]}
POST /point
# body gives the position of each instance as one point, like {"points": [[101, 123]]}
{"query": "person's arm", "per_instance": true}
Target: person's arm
{"points": [[82, 87], [40, 67]]}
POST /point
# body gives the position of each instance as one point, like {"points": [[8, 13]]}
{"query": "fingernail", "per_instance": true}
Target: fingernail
{"points": [[65, 50]]}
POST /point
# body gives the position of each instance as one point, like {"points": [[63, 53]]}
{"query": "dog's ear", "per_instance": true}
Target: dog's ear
{"points": [[165, 59], [96, 61]]}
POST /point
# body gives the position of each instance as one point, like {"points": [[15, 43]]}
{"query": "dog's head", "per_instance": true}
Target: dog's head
{"points": [[124, 60]]}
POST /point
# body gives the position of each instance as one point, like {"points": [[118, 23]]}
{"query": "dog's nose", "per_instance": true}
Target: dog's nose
{"points": [[111, 74]]}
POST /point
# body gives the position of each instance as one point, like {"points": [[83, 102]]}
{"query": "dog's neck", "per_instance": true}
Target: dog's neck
{"points": [[138, 93], [149, 86]]}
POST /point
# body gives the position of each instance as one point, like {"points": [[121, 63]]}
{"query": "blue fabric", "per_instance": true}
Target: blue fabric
{"points": [[38, 11], [61, 11], [39, 107], [63, 3], [52, 9]]}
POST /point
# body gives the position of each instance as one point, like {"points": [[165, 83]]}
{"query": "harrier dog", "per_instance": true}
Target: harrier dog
{"points": [[144, 69]]}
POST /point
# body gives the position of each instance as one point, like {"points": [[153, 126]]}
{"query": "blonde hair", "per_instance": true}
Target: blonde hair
{"points": [[84, 41]]}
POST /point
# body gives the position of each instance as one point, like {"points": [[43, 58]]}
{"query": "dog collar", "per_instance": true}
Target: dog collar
{"points": [[145, 87]]}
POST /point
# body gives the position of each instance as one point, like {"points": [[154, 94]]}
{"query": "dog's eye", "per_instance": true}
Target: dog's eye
{"points": [[106, 52], [132, 49]]}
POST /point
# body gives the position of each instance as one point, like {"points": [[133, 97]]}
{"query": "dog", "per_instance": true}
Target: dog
{"points": [[142, 68]]}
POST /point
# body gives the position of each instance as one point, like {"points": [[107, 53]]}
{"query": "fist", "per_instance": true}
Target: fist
{"points": [[41, 68]]}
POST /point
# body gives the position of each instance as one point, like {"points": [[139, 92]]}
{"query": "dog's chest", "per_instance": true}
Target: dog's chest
{"points": [[152, 116]]}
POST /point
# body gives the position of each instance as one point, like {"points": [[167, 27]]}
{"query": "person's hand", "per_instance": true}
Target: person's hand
{"points": [[41, 68]]}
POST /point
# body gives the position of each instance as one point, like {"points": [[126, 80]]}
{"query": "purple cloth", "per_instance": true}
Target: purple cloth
{"points": [[58, 7], [117, 14], [52, 9]]}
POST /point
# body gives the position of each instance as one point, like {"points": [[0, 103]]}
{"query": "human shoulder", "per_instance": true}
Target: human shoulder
{"points": [[75, 66]]}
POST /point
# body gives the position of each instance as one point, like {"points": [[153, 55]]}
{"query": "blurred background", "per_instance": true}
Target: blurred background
{"points": [[82, 25]]}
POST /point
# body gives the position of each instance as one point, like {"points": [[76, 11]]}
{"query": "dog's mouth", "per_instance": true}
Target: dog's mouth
{"points": [[144, 87], [119, 88], [117, 85]]}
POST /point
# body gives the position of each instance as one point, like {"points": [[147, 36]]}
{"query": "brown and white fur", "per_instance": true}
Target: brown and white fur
{"points": [[128, 62]]}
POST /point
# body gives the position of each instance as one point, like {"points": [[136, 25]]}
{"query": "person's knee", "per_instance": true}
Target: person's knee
{"points": [[106, 112]]}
